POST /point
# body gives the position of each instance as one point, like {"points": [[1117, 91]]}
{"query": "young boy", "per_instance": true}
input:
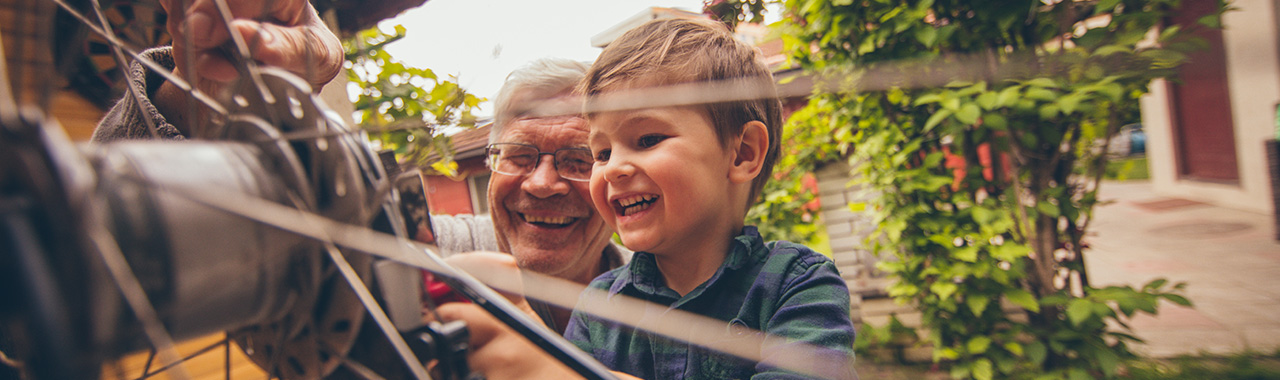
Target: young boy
{"points": [[675, 182]]}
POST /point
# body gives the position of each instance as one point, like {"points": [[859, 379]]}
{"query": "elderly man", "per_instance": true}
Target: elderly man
{"points": [[538, 191], [540, 209]]}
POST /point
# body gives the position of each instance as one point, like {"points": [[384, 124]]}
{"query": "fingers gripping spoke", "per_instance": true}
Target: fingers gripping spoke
{"points": [[182, 84]]}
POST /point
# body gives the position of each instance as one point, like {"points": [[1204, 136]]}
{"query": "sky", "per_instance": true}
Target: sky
{"points": [[480, 41]]}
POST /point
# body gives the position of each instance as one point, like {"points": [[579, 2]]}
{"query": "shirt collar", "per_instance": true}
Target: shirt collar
{"points": [[643, 273]]}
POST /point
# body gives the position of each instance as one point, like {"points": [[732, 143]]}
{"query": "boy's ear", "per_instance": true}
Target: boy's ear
{"points": [[748, 157]]}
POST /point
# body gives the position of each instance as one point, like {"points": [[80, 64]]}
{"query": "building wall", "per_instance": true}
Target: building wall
{"points": [[452, 196], [1253, 70]]}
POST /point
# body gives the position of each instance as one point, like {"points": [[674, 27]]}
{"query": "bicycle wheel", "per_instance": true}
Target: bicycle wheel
{"points": [[107, 254]]}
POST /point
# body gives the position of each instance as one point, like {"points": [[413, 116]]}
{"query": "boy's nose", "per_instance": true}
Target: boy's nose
{"points": [[617, 168]]}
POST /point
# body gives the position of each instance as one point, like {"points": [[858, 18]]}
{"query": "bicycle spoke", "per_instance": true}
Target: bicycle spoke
{"points": [[135, 296], [360, 369], [146, 374], [151, 356], [375, 311], [226, 357], [123, 63], [184, 85]]}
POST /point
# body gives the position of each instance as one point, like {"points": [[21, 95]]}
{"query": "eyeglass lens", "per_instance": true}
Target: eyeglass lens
{"points": [[517, 159]]}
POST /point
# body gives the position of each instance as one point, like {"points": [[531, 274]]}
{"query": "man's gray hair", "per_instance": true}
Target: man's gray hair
{"points": [[539, 80]]}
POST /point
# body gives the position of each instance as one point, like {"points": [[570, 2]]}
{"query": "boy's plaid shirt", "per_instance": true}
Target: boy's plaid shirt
{"points": [[781, 288]]}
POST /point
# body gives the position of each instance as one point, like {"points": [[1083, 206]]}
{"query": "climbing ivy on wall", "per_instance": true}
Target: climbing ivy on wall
{"points": [[982, 126]]}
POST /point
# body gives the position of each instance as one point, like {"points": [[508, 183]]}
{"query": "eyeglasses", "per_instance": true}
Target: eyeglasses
{"points": [[573, 164]]}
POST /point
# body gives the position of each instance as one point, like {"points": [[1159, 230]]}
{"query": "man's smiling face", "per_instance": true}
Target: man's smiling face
{"points": [[546, 221]]}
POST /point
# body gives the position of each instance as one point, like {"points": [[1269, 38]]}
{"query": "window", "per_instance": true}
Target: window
{"points": [[479, 185]]}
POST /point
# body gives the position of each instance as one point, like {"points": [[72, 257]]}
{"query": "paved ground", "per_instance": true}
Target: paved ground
{"points": [[1229, 259]]}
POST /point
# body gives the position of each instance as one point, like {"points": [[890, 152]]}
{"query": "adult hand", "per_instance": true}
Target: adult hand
{"points": [[499, 271], [284, 33], [499, 352]]}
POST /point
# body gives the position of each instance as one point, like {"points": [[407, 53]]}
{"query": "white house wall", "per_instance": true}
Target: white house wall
{"points": [[1253, 70]]}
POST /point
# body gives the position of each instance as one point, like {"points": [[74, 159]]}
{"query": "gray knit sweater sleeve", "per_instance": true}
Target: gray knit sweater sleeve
{"points": [[463, 233], [128, 118]]}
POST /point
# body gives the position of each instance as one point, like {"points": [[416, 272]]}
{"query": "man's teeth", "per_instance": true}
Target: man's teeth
{"points": [[548, 219], [633, 204]]}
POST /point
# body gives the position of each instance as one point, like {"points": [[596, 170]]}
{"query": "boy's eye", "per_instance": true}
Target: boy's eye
{"points": [[602, 155], [647, 141]]}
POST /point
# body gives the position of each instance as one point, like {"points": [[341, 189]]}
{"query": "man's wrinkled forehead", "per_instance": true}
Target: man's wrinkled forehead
{"points": [[547, 132]]}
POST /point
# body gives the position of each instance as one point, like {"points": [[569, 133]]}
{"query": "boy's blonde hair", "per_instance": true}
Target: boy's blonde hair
{"points": [[669, 52]]}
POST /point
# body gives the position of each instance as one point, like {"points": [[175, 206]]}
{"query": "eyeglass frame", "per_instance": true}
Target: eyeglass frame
{"points": [[555, 163]]}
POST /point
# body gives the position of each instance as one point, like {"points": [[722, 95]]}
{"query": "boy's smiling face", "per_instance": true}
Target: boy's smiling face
{"points": [[661, 179]]}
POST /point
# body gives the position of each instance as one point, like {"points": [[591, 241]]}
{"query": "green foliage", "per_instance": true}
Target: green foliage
{"points": [[976, 121], [1127, 169], [894, 337], [403, 107], [733, 12], [787, 209], [1240, 366]]}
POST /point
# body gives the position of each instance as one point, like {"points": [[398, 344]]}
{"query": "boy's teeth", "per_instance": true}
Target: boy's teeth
{"points": [[633, 204], [547, 219], [626, 202]]}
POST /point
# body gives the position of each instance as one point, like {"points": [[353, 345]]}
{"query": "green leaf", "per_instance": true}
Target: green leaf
{"points": [[1079, 310], [1022, 298], [960, 371], [1010, 251], [1212, 21], [1042, 82], [978, 345], [933, 159], [927, 36], [1169, 32], [937, 117], [1008, 96], [1111, 49], [969, 113], [1155, 284], [951, 103], [949, 353], [1105, 6], [1048, 112], [967, 254], [988, 100], [995, 121], [1037, 352], [944, 289], [977, 304], [928, 98], [982, 369], [1180, 300], [1047, 208], [1068, 103], [857, 206], [1107, 360], [1041, 94], [1014, 348], [1078, 374]]}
